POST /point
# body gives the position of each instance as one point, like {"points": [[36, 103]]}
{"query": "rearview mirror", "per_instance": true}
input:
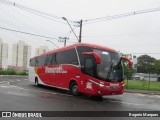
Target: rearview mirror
{"points": [[130, 63], [96, 55]]}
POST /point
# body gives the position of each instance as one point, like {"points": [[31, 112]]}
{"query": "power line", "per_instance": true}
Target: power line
{"points": [[52, 43], [36, 12], [7, 23], [144, 53], [10, 23], [137, 45], [14, 25], [27, 8], [20, 25], [88, 21], [42, 16], [101, 19], [125, 34], [27, 33]]}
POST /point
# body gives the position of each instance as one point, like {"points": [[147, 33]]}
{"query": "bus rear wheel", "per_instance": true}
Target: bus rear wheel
{"points": [[74, 89]]}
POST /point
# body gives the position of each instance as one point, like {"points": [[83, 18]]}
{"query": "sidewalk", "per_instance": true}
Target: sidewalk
{"points": [[142, 91]]}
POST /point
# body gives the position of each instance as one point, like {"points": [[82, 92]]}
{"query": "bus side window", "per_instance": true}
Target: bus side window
{"points": [[32, 62], [36, 62], [54, 59], [67, 57], [89, 66], [81, 49], [49, 59], [72, 59], [41, 61]]}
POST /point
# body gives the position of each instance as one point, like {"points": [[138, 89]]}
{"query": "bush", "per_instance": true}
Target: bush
{"points": [[22, 73], [11, 72]]}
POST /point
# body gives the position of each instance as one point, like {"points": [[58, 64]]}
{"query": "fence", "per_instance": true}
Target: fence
{"points": [[145, 82]]}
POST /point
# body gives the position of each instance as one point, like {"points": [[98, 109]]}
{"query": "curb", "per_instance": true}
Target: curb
{"points": [[142, 92]]}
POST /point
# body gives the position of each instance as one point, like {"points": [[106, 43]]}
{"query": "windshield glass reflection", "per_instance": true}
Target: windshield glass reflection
{"points": [[110, 68]]}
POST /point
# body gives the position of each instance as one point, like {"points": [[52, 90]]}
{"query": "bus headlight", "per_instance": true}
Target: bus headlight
{"points": [[101, 85]]}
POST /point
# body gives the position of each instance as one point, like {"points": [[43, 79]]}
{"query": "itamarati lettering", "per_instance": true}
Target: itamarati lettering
{"points": [[58, 69]]}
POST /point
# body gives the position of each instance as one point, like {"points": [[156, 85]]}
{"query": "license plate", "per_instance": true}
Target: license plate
{"points": [[113, 85]]}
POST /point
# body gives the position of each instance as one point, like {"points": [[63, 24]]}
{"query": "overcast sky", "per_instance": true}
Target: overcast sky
{"points": [[133, 34]]}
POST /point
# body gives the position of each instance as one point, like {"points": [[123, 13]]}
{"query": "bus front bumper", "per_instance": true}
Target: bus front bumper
{"points": [[98, 89]]}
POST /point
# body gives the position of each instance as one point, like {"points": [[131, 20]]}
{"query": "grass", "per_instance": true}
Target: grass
{"points": [[142, 85]]}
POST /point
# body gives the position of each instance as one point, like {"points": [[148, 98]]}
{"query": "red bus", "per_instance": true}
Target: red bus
{"points": [[80, 68]]}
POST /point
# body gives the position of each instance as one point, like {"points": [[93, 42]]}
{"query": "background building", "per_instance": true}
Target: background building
{"points": [[41, 50], [21, 53], [3, 55]]}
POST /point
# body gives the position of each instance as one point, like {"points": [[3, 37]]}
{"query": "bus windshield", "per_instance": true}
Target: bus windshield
{"points": [[110, 67]]}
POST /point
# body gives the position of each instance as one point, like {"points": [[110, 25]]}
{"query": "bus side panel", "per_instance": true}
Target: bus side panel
{"points": [[69, 72], [32, 74], [45, 76]]}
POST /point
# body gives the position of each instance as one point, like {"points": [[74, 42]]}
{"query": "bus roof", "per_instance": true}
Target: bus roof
{"points": [[79, 44]]}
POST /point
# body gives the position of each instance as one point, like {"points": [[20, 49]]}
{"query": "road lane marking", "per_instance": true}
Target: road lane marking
{"points": [[38, 90], [54, 93], [114, 101], [8, 83], [16, 86], [3, 82], [3, 86]]}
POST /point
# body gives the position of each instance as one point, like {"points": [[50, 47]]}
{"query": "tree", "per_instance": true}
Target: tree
{"points": [[145, 64], [157, 67], [128, 71]]}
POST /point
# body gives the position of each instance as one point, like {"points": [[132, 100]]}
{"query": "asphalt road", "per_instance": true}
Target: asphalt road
{"points": [[18, 94]]}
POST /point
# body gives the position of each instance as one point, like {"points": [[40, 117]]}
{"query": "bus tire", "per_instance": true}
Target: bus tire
{"points": [[74, 89], [36, 82]]}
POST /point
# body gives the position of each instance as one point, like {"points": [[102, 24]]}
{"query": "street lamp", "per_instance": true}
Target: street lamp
{"points": [[70, 27], [53, 43]]}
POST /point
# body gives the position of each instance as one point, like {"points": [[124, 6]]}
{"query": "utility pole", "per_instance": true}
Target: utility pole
{"points": [[80, 33], [63, 39]]}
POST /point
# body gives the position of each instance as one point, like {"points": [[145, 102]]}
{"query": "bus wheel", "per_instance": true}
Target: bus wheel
{"points": [[36, 81], [74, 89]]}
